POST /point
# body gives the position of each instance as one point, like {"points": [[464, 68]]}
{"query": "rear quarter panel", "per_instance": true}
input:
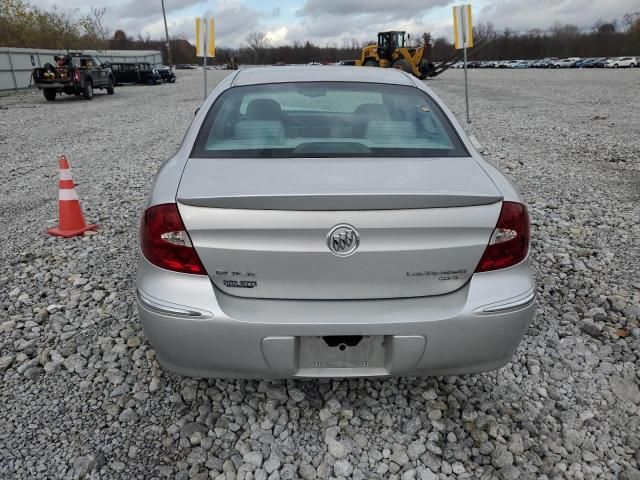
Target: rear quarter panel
{"points": [[165, 184], [501, 182]]}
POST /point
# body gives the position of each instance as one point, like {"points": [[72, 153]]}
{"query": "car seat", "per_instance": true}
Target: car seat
{"points": [[365, 113]]}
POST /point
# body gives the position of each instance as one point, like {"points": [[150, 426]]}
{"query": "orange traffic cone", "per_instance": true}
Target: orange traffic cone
{"points": [[70, 218]]}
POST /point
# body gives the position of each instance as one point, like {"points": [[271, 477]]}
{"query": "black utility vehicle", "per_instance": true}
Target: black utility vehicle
{"points": [[73, 74], [166, 73], [126, 72]]}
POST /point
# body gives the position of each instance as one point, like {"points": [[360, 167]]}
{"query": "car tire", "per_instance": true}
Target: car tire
{"points": [[615, 65], [557, 66], [403, 65], [370, 63], [49, 94], [110, 88], [87, 91], [425, 67], [173, 80]]}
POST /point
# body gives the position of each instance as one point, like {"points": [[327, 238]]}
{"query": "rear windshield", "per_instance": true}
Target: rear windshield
{"points": [[326, 119]]}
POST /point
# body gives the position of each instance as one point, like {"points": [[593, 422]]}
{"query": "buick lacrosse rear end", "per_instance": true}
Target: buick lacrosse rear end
{"points": [[331, 222]]}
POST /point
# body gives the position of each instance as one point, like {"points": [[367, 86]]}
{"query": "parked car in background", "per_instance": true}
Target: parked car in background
{"points": [[148, 74], [621, 62], [564, 63], [591, 63], [74, 74], [600, 63], [334, 224], [126, 72], [520, 64], [166, 73], [548, 62], [588, 63]]}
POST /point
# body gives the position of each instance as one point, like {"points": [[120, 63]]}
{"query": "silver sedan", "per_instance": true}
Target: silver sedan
{"points": [[331, 222]]}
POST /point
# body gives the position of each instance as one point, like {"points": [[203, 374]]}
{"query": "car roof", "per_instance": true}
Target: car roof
{"points": [[263, 75]]}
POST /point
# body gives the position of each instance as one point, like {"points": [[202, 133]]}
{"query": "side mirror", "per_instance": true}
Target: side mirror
{"points": [[106, 65]]}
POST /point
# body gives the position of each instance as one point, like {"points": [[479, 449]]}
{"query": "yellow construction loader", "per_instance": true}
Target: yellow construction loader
{"points": [[391, 51]]}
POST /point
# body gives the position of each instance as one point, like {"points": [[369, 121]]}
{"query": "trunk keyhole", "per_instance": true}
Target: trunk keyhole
{"points": [[342, 347]]}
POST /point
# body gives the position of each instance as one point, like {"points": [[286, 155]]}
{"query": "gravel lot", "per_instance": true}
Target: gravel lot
{"points": [[82, 395]]}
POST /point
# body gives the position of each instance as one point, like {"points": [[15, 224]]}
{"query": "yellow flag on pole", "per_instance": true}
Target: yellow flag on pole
{"points": [[211, 40], [205, 26], [462, 27], [199, 42]]}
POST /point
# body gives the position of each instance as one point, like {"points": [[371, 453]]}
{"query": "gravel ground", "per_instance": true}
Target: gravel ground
{"points": [[82, 395]]}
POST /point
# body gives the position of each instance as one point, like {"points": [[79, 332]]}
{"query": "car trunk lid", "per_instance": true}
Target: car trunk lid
{"points": [[335, 183], [261, 227]]}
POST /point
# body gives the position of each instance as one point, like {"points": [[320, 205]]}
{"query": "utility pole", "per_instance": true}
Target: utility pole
{"points": [[166, 32]]}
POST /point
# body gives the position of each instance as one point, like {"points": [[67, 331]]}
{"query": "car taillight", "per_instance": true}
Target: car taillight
{"points": [[165, 242], [509, 242]]}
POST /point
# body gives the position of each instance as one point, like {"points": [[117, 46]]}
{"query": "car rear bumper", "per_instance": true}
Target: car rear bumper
{"points": [[200, 331]]}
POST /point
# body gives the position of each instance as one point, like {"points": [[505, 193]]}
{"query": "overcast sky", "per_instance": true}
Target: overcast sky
{"points": [[334, 21]]}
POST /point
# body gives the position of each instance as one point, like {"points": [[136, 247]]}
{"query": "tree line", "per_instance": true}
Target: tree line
{"points": [[605, 39], [24, 25]]}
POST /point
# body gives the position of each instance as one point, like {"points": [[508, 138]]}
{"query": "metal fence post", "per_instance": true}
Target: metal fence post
{"points": [[13, 72]]}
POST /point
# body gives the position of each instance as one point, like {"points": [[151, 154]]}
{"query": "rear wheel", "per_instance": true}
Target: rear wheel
{"points": [[425, 67], [616, 66], [110, 89], [370, 63], [49, 94], [87, 91]]}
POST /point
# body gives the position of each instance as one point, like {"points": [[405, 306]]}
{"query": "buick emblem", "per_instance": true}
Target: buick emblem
{"points": [[343, 240]]}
